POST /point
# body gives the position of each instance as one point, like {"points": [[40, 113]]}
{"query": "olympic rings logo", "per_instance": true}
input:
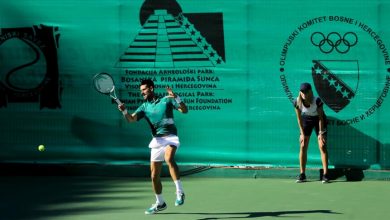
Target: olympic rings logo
{"points": [[334, 41]]}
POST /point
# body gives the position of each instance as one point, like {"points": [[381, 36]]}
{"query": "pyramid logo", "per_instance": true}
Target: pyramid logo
{"points": [[336, 81], [168, 41]]}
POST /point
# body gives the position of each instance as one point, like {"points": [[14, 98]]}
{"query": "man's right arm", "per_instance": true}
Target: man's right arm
{"points": [[129, 117]]}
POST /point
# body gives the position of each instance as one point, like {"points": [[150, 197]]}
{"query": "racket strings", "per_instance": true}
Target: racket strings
{"points": [[104, 83]]}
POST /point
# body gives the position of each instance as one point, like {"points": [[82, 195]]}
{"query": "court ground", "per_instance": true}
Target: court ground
{"points": [[236, 197]]}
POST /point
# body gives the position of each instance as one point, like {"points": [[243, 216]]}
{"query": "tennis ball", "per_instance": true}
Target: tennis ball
{"points": [[41, 147]]}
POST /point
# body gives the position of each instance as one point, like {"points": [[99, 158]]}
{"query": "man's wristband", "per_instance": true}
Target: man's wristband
{"points": [[178, 99], [124, 112]]}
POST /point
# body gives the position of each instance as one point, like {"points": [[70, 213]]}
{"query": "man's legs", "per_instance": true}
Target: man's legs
{"points": [[155, 168], [155, 172], [175, 174], [170, 160]]}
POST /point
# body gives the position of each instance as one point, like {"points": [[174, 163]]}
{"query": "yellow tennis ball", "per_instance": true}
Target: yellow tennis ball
{"points": [[41, 147]]}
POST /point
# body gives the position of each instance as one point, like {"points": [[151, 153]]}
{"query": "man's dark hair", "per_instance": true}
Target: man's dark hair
{"points": [[147, 82]]}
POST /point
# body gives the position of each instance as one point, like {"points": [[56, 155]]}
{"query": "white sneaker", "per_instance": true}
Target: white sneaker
{"points": [[180, 199], [156, 208]]}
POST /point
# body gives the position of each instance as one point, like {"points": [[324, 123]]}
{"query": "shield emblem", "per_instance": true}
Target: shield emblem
{"points": [[336, 81]]}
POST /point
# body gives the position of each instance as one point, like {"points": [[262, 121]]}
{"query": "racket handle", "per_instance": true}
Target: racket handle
{"points": [[118, 101]]}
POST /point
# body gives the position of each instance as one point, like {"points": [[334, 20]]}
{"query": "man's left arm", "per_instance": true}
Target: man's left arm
{"points": [[182, 106]]}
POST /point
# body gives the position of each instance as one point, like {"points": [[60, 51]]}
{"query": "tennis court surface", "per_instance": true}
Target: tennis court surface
{"points": [[207, 197]]}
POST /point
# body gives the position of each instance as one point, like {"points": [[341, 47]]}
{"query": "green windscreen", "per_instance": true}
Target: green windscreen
{"points": [[237, 64]]}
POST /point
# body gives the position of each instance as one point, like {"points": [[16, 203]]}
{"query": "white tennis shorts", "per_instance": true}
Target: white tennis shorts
{"points": [[158, 145]]}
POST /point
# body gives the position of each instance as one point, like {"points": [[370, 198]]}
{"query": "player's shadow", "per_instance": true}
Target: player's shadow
{"points": [[237, 215], [351, 151], [52, 197]]}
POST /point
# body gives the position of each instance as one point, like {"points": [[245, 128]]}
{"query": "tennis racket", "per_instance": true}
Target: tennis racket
{"points": [[104, 83]]}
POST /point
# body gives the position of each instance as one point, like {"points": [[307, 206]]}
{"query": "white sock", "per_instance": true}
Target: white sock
{"points": [[159, 199], [179, 187]]}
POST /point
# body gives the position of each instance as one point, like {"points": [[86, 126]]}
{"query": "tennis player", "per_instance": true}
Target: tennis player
{"points": [[158, 112], [310, 115]]}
